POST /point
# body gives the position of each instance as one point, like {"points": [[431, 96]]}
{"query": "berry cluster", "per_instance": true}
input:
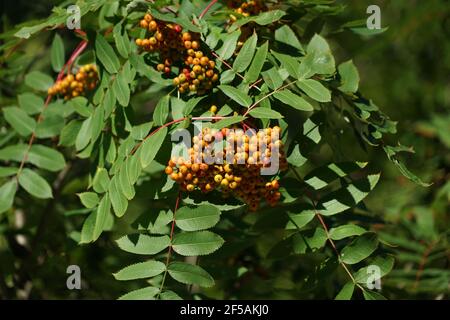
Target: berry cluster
{"points": [[240, 172], [179, 53], [72, 86], [247, 7]]}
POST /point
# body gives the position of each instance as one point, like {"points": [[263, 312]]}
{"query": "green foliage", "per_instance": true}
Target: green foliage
{"points": [[98, 162]]}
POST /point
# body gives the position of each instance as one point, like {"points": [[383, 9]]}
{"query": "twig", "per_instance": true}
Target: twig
{"points": [[78, 50], [333, 245], [205, 11], [231, 68], [170, 246], [171, 123], [423, 262], [268, 95]]}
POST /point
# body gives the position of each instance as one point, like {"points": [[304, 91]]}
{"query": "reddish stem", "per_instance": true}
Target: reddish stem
{"points": [[78, 50], [169, 124], [205, 11]]}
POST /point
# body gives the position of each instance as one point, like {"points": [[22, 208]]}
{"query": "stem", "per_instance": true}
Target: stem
{"points": [[78, 50], [423, 262], [169, 124], [231, 68], [205, 11], [170, 246], [268, 95], [333, 245]]}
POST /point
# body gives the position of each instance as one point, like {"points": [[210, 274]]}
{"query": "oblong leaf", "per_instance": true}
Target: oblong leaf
{"points": [[199, 218], [196, 243], [190, 274], [360, 248], [141, 270], [7, 193], [236, 95], [147, 293], [143, 244], [151, 146], [293, 100], [315, 90], [106, 54], [34, 184]]}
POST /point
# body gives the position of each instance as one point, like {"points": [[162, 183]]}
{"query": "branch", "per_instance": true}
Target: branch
{"points": [[205, 11], [78, 50], [170, 246], [333, 245]]}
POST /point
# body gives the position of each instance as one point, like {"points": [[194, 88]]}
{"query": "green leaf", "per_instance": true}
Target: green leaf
{"points": [[147, 293], [345, 231], [303, 214], [190, 274], [384, 263], [133, 169], [349, 77], [30, 103], [371, 295], [196, 243], [265, 113], [97, 123], [109, 102], [19, 120], [69, 133], [84, 135], [7, 171], [103, 211], [360, 248], [323, 60], [87, 231], [50, 126], [346, 292], [170, 295], [88, 199], [122, 41], [348, 196], [303, 243], [143, 244], [199, 218], [295, 101], [236, 95], [254, 71], [101, 180], [38, 81], [34, 184], [288, 62], [287, 36], [46, 158], [124, 183], [161, 111], [321, 177], [118, 200], [392, 155], [229, 45], [106, 54], [227, 122], [121, 89], [315, 90], [151, 146], [273, 78], [57, 53], [7, 193], [246, 54], [262, 19], [141, 270]]}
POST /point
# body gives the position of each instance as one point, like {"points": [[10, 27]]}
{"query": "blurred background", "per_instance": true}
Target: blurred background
{"points": [[405, 70]]}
